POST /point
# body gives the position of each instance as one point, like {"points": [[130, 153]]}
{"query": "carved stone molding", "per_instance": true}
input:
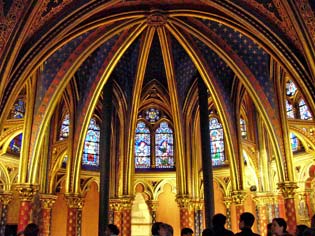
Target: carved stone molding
{"points": [[152, 204], [6, 198], [183, 201], [288, 189], [74, 201], [227, 202], [47, 200], [26, 191], [262, 199], [157, 18], [238, 197]]}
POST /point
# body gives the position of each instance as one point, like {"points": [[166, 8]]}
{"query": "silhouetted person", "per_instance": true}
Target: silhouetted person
{"points": [[309, 232], [279, 227], [207, 232], [155, 228], [166, 230], [111, 230], [186, 232], [218, 222], [31, 230], [269, 230], [300, 229], [313, 221], [247, 220]]}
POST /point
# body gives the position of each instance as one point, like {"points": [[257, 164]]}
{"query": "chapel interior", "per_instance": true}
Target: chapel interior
{"points": [[133, 112]]}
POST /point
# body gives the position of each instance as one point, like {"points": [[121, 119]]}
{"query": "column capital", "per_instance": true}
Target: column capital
{"points": [[74, 200], [118, 204], [263, 198], [152, 204], [26, 191], [288, 189], [228, 201], [238, 197], [183, 201], [47, 200], [6, 197], [197, 204]]}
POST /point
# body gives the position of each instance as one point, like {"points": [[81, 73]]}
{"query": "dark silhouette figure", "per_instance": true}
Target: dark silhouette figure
{"points": [[155, 228], [207, 232], [111, 230], [247, 220], [186, 232], [218, 222], [31, 230]]}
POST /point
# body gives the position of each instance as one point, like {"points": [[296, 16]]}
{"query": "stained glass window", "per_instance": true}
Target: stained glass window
{"points": [[289, 108], [216, 142], [294, 142], [64, 131], [243, 128], [142, 146], [290, 88], [15, 145], [18, 110], [152, 115], [91, 145], [305, 113], [164, 155]]}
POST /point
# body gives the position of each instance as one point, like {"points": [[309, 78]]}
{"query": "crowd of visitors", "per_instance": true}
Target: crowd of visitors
{"points": [[278, 227]]}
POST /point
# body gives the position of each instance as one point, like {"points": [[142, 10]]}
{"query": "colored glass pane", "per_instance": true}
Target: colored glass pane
{"points": [[152, 115], [216, 142], [15, 144], [142, 146], [289, 109], [64, 131], [305, 113], [294, 142], [243, 128], [91, 145], [290, 88], [164, 153], [18, 110]]}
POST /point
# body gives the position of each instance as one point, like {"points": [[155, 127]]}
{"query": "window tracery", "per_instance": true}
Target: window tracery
{"points": [[216, 142]]}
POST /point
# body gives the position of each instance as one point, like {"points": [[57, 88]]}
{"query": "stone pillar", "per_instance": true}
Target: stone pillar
{"points": [[228, 202], [5, 199], [308, 202], [47, 201], [26, 194], [288, 191], [126, 217], [74, 219], [116, 207], [238, 198], [262, 200], [186, 212], [198, 217], [153, 205]]}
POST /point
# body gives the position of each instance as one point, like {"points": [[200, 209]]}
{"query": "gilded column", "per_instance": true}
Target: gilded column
{"points": [[116, 208], [186, 212], [153, 205], [198, 216], [47, 201], [262, 200], [26, 194], [288, 191], [126, 217], [228, 202], [238, 198], [75, 204], [308, 202], [5, 199]]}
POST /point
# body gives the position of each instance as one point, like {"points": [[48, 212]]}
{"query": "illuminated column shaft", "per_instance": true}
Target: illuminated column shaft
{"points": [[228, 202], [5, 199], [198, 217], [262, 201], [126, 222], [74, 218], [47, 202], [238, 198], [26, 195], [186, 212], [288, 191], [153, 205]]}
